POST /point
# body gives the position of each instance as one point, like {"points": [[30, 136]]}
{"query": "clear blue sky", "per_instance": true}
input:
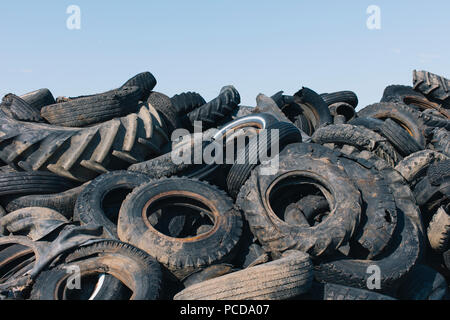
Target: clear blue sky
{"points": [[258, 46]]}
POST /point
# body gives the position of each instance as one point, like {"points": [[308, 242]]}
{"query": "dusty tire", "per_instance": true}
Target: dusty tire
{"points": [[216, 110], [441, 141], [359, 137], [432, 85], [313, 107], [89, 207], [423, 283], [145, 80], [277, 280], [28, 183], [166, 110], [18, 109], [82, 154], [274, 234], [39, 98], [339, 97], [407, 117], [400, 94], [439, 231], [63, 202], [187, 101], [136, 269], [181, 255], [93, 109], [239, 173], [335, 292]]}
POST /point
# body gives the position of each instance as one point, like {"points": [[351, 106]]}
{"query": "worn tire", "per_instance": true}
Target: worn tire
{"points": [[281, 279], [181, 256], [187, 101], [359, 137], [432, 85], [145, 80], [136, 269], [93, 109], [274, 234], [82, 154], [400, 94], [441, 141], [39, 98], [341, 96], [18, 109], [423, 283], [439, 231], [89, 206]]}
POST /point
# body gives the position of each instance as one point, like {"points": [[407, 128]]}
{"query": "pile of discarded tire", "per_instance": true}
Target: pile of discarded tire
{"points": [[355, 207]]}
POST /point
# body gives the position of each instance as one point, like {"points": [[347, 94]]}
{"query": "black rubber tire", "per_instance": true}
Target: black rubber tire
{"points": [[432, 85], [82, 154], [27, 183], [423, 283], [441, 141], [406, 116], [145, 80], [239, 173], [274, 234], [187, 101], [359, 137], [166, 110], [39, 98], [208, 273], [395, 263], [89, 205], [416, 165], [182, 256], [446, 257], [63, 202], [400, 94], [214, 111], [19, 109], [138, 271], [93, 109], [397, 136], [314, 107], [341, 96], [281, 279], [438, 231]]}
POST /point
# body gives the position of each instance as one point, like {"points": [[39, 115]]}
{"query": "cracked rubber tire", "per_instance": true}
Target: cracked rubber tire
{"points": [[281, 279], [89, 206], [340, 96], [432, 85], [94, 109], [17, 108], [274, 234], [39, 98], [125, 263], [145, 80], [182, 256]]}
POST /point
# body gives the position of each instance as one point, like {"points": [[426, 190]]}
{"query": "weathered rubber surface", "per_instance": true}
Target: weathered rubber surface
{"points": [[274, 234], [93, 109], [400, 94], [89, 205], [406, 116], [166, 110], [208, 273], [182, 256], [26, 183], [16, 258], [446, 257], [423, 283], [330, 291], [133, 267], [342, 111], [63, 202], [281, 279], [212, 112], [314, 107], [441, 141], [33, 222], [341, 96], [241, 170], [439, 231], [145, 81], [187, 101], [395, 263], [360, 137], [432, 85], [397, 136], [82, 154], [18, 109], [39, 98], [415, 165]]}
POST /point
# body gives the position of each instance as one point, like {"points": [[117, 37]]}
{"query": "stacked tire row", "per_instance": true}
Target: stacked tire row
{"points": [[116, 196]]}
